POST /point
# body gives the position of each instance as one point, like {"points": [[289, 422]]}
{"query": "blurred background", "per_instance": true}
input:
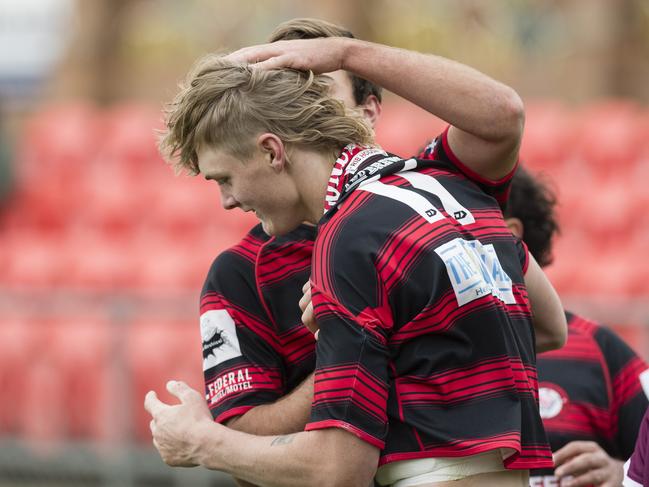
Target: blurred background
{"points": [[103, 251]]}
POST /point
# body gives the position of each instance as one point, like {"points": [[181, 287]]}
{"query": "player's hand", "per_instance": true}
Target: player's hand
{"points": [[588, 464], [306, 305], [322, 55], [173, 425]]}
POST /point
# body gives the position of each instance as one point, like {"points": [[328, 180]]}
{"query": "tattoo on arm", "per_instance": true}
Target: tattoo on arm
{"points": [[283, 440]]}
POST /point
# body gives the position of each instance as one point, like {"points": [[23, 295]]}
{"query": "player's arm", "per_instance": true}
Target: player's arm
{"points": [[548, 316], [185, 436], [486, 116], [288, 414]]}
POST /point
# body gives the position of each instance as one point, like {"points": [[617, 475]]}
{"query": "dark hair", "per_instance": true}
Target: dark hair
{"points": [[306, 28], [533, 203]]}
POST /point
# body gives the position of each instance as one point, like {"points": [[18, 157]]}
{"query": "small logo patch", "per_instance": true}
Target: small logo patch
{"points": [[551, 400], [219, 336]]}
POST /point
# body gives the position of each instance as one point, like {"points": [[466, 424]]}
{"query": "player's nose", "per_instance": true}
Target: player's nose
{"points": [[228, 201]]}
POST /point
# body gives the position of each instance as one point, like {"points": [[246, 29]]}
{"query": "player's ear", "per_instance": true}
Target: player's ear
{"points": [[273, 149], [515, 226], [371, 110]]}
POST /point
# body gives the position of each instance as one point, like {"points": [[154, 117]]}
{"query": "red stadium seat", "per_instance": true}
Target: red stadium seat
{"points": [[549, 130], [19, 346], [157, 351], [405, 128], [130, 137], [84, 353], [33, 259], [609, 136]]}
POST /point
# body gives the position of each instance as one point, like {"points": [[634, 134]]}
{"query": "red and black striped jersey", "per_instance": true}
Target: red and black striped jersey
{"points": [[591, 390], [255, 347], [426, 346]]}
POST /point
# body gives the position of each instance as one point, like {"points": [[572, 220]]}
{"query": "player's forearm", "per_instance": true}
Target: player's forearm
{"points": [[306, 458], [456, 93], [287, 415]]}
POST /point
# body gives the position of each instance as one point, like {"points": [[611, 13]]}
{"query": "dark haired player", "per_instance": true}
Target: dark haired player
{"points": [[591, 390]]}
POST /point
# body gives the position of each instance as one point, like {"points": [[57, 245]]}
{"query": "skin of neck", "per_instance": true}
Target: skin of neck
{"points": [[310, 170]]}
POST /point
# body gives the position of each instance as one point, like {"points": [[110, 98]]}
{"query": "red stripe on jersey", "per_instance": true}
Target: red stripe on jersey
{"points": [[578, 347], [321, 269], [446, 307], [581, 418], [626, 384], [248, 247], [485, 378], [368, 319], [396, 257], [285, 261], [342, 383]]}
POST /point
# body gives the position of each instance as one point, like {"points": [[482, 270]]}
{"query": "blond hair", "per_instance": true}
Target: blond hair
{"points": [[223, 104]]}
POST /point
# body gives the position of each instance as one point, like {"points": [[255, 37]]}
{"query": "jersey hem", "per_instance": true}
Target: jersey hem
{"points": [[230, 413], [511, 463], [334, 423]]}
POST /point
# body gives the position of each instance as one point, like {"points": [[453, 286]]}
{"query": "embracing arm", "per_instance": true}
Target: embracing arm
{"points": [[330, 457], [185, 435], [287, 415], [486, 116], [548, 316]]}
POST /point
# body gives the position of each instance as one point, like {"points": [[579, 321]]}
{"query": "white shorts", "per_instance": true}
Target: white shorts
{"points": [[410, 473]]}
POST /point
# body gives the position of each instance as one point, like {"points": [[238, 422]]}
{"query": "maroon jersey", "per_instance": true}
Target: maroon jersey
{"points": [[426, 346], [591, 390], [637, 468]]}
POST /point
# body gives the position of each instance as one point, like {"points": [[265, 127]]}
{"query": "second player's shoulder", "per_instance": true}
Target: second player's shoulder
{"points": [[234, 268]]}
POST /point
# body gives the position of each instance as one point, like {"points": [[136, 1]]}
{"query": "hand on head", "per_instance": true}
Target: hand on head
{"points": [[322, 55]]}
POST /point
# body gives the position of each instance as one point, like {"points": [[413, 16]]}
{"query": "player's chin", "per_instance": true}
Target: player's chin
{"points": [[277, 226]]}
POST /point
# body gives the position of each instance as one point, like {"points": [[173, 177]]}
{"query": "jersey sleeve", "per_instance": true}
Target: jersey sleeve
{"points": [[351, 378], [242, 365], [629, 401], [523, 254], [439, 149]]}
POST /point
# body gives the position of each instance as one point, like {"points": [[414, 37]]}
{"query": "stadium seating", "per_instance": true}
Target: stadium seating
{"points": [[159, 350], [97, 215]]}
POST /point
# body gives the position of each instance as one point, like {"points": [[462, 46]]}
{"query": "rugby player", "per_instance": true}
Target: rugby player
{"points": [[591, 391], [425, 321]]}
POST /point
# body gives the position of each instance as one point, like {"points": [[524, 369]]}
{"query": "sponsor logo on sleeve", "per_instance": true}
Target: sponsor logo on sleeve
{"points": [[219, 336], [475, 271], [228, 383]]}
